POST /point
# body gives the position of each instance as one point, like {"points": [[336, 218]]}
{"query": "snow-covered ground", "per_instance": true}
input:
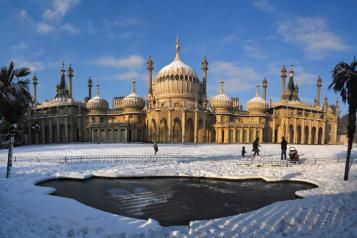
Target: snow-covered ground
{"points": [[27, 210]]}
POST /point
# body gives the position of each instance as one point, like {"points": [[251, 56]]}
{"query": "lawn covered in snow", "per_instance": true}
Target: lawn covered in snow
{"points": [[28, 211]]}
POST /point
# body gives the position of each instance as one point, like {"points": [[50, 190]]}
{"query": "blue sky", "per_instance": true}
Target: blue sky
{"points": [[242, 40]]}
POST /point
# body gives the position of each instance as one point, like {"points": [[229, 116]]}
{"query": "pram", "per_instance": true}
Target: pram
{"points": [[293, 154]]}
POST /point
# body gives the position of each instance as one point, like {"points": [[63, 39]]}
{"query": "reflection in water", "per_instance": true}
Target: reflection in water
{"points": [[175, 201]]}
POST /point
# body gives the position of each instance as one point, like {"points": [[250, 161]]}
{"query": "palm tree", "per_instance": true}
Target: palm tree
{"points": [[15, 100], [345, 81]]}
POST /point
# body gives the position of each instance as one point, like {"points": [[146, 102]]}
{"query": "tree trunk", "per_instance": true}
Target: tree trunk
{"points": [[351, 129], [11, 146]]}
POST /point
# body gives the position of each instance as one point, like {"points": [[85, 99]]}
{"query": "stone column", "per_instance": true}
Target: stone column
{"points": [[29, 132], [195, 127], [273, 131], [43, 131], [51, 140], [255, 134], [79, 128], [226, 135], [204, 127], [157, 127], [234, 139], [66, 129], [58, 130], [323, 133], [303, 131], [241, 135], [183, 126], [316, 133], [260, 136], [310, 133], [295, 131], [169, 125]]}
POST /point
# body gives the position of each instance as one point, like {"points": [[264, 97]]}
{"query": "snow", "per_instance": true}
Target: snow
{"points": [[327, 211]]}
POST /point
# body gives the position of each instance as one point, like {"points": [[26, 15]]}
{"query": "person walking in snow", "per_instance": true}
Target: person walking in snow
{"points": [[284, 147], [156, 148], [243, 152], [256, 147]]}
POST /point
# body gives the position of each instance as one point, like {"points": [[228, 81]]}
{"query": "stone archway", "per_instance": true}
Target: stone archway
{"points": [[230, 136], [313, 136], [177, 131], [189, 130], [306, 133], [291, 134], [163, 131], [298, 131], [319, 136]]}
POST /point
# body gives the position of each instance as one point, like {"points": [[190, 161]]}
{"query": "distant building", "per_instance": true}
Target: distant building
{"points": [[177, 110]]}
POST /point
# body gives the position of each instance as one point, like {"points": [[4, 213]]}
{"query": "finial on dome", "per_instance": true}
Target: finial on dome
{"points": [[257, 90], [177, 48], [133, 86], [97, 92], [62, 69], [221, 91]]}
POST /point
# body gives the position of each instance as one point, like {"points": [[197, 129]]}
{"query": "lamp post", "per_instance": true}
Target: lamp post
{"points": [[36, 128]]}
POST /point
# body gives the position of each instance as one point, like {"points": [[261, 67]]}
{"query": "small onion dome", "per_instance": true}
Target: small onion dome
{"points": [[221, 102], [97, 103], [257, 104], [133, 102]]}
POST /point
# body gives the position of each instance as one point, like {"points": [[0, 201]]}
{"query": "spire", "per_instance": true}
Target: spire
{"points": [[62, 84], [133, 86], [97, 91], [291, 85], [257, 94], [177, 57], [89, 87], [283, 77], [221, 91]]}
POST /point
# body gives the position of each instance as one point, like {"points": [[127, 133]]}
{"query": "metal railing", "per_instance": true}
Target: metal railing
{"points": [[273, 160]]}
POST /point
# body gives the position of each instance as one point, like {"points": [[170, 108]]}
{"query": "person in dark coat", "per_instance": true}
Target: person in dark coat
{"points": [[284, 146], [256, 147], [156, 148], [243, 152]]}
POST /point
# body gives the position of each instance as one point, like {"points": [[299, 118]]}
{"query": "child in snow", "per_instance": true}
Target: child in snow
{"points": [[243, 151]]}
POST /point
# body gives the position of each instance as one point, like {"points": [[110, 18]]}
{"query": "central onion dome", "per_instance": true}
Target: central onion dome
{"points": [[133, 102], [97, 103], [221, 102], [177, 79], [257, 104]]}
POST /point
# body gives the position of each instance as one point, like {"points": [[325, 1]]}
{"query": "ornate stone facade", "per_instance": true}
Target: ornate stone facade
{"points": [[177, 110]]}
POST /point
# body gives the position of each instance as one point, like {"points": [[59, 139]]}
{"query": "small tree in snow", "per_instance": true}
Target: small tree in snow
{"points": [[15, 100], [344, 78]]}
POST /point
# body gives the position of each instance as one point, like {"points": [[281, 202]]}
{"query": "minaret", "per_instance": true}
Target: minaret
{"points": [[204, 76], [90, 84], [283, 77], [257, 93], [177, 57], [265, 85], [35, 82], [97, 90], [221, 91], [133, 86], [337, 105], [70, 75], [150, 67], [325, 104], [318, 90]]}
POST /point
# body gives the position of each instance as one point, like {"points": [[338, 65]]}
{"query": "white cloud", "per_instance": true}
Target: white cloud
{"points": [[23, 14], [19, 47], [312, 35], [58, 10], [254, 51], [132, 61], [35, 66], [121, 22], [237, 78], [131, 75], [262, 5], [44, 28], [229, 39], [68, 27]]}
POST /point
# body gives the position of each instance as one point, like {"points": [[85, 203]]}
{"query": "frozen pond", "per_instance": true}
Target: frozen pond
{"points": [[175, 201]]}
